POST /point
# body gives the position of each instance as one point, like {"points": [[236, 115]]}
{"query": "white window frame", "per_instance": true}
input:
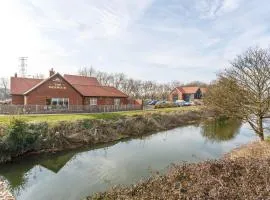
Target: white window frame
{"points": [[116, 101], [93, 101], [57, 100]]}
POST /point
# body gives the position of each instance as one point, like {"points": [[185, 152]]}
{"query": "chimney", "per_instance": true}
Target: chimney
{"points": [[16, 75], [52, 72]]}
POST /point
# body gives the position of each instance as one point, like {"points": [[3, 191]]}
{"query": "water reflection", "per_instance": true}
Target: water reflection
{"points": [[17, 172], [220, 130], [75, 174]]}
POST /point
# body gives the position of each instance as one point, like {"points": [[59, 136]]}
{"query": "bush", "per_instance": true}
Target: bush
{"points": [[19, 138], [165, 105]]}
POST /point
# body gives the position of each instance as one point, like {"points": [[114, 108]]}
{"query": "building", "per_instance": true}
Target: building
{"points": [[204, 91], [186, 93], [58, 90]]}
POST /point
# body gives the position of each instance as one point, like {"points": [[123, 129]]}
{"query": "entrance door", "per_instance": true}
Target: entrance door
{"points": [[187, 97]]}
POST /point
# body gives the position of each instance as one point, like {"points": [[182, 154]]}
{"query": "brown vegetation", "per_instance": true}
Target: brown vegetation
{"points": [[224, 179], [252, 150], [5, 194]]}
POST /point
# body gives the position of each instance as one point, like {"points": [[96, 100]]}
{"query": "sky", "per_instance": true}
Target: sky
{"points": [[160, 40]]}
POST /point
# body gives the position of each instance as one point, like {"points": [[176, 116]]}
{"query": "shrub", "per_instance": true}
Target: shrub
{"points": [[19, 138], [165, 105], [87, 124]]}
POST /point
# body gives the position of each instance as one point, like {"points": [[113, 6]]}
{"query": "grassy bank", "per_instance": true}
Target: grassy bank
{"points": [[242, 174], [52, 118], [50, 133]]}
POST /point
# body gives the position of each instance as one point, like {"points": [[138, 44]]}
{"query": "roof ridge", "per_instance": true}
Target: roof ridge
{"points": [[96, 86], [79, 75], [27, 78]]}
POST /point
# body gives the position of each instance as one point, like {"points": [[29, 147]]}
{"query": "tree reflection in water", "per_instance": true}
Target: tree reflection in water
{"points": [[220, 130]]}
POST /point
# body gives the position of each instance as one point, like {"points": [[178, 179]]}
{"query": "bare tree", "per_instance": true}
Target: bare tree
{"points": [[85, 71], [243, 90], [4, 88], [196, 84], [133, 88], [118, 80], [39, 76]]}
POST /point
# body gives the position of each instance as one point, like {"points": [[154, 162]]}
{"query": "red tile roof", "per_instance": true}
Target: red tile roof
{"points": [[86, 86], [81, 80], [89, 86], [204, 90], [21, 85], [99, 91], [188, 90]]}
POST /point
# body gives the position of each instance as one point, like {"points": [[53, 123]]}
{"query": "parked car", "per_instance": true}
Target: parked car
{"points": [[183, 103], [160, 102], [147, 101], [153, 102], [179, 103], [190, 103], [186, 103]]}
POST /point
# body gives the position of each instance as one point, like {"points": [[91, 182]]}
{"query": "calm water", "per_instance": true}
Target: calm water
{"points": [[76, 174]]}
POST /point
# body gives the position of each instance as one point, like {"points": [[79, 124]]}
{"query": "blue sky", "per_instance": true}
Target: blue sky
{"points": [[159, 40]]}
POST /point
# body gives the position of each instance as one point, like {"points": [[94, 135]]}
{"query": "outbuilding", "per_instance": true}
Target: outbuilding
{"points": [[185, 93]]}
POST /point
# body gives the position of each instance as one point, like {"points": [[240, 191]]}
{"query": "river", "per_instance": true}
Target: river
{"points": [[76, 174]]}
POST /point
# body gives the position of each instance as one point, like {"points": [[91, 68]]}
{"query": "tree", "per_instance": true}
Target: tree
{"points": [[196, 84], [133, 88], [4, 88], [85, 71], [39, 76], [243, 90]]}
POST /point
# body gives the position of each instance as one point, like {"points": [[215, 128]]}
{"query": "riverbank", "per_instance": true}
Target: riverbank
{"points": [[22, 137], [71, 117], [236, 176], [5, 194]]}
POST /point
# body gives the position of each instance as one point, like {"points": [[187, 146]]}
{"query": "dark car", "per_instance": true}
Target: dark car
{"points": [[153, 102]]}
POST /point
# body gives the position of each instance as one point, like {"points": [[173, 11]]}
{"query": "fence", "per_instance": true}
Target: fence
{"points": [[42, 109]]}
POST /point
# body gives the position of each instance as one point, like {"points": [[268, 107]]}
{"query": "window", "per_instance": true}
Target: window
{"points": [[117, 102], [66, 102], [93, 101], [48, 102], [58, 102], [54, 101]]}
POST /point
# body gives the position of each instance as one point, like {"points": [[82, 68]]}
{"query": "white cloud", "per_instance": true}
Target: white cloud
{"points": [[215, 8], [167, 39]]}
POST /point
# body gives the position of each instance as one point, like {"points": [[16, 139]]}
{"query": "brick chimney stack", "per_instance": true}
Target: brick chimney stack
{"points": [[52, 72], [16, 75]]}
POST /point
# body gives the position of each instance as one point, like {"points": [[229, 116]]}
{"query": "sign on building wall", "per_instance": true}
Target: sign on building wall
{"points": [[57, 83]]}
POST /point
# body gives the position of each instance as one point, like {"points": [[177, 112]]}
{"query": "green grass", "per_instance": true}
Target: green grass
{"points": [[51, 118], [267, 139]]}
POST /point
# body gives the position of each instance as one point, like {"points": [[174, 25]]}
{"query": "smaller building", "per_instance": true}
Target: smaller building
{"points": [[186, 93]]}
